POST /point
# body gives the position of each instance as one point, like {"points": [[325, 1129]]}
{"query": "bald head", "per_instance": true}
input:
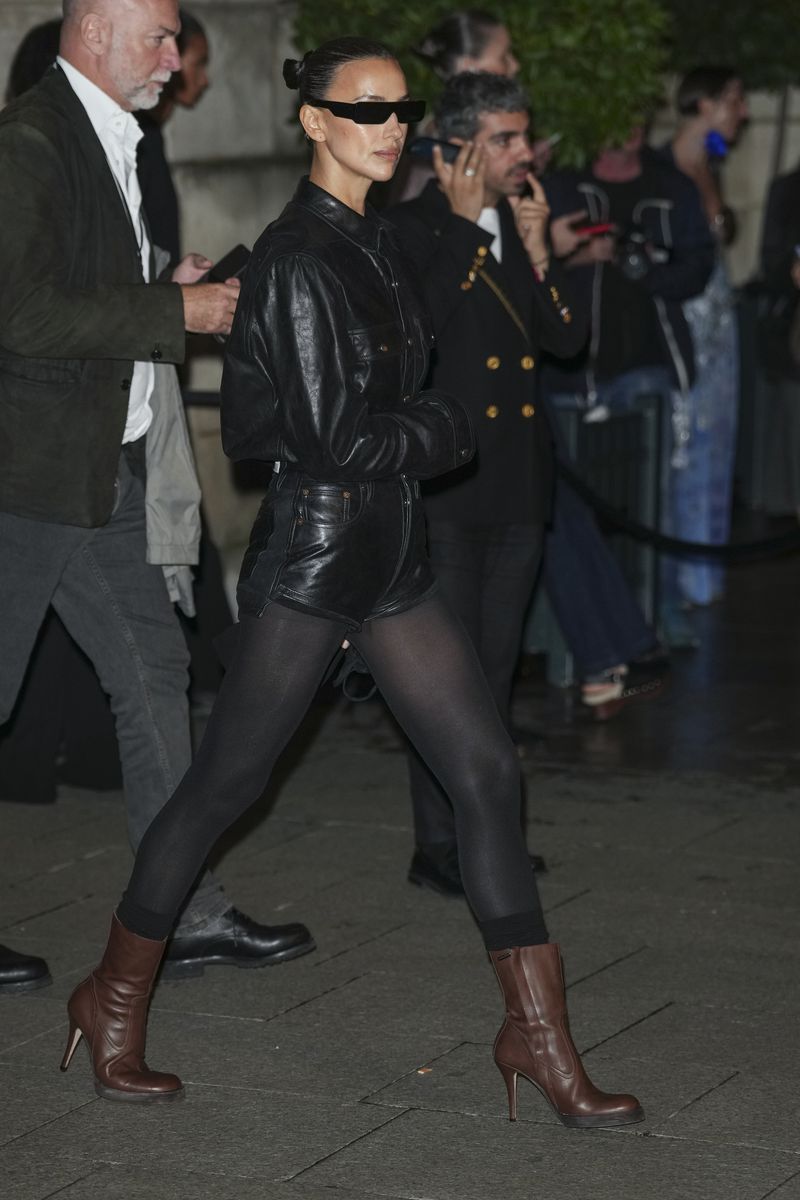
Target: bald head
{"points": [[126, 47]]}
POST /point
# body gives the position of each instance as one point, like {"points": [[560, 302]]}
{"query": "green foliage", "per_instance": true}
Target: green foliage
{"points": [[593, 67], [761, 40]]}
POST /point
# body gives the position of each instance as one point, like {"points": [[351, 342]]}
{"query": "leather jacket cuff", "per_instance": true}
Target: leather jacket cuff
{"points": [[463, 444]]}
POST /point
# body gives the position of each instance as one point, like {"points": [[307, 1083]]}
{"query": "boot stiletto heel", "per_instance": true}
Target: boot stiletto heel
{"points": [[510, 1076], [75, 1036]]}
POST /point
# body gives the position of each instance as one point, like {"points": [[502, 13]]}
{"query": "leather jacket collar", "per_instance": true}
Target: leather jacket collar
{"points": [[366, 230]]}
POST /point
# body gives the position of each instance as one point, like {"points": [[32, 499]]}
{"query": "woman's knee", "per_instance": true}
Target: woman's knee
{"points": [[492, 777]]}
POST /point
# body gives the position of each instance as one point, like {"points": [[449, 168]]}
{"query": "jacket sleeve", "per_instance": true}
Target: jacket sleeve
{"points": [[42, 314], [562, 319], [291, 359], [442, 259], [693, 251]]}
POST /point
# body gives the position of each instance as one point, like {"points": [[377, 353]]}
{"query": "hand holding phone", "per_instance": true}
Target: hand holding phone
{"points": [[230, 266], [462, 181]]}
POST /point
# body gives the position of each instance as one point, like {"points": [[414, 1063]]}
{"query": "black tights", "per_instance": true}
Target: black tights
{"points": [[429, 675]]}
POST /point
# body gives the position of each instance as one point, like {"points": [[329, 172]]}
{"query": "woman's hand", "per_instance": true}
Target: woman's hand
{"points": [[532, 215], [462, 181]]}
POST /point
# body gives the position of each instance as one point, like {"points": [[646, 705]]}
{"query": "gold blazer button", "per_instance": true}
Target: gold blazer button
{"points": [[493, 362], [466, 285], [528, 410], [527, 363], [482, 251], [492, 412]]}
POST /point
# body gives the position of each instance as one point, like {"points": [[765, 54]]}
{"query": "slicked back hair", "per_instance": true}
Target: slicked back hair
{"points": [[469, 95]]}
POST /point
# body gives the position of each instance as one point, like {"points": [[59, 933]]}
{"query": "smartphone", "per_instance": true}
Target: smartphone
{"points": [[422, 147], [230, 266], [594, 230]]}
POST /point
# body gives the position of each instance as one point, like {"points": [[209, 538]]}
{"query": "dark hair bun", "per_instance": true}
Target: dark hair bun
{"points": [[293, 72]]}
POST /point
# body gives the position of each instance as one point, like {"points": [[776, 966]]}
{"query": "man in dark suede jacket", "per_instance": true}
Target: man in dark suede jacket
{"points": [[98, 495]]}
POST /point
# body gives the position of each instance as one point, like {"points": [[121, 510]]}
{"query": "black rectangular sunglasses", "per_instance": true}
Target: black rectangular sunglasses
{"points": [[374, 112]]}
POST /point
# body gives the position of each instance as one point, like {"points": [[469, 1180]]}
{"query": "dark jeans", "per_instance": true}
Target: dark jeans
{"points": [[116, 607], [591, 599], [487, 575], [598, 613]]}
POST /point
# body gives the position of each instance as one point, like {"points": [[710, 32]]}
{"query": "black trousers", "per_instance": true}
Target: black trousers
{"points": [[487, 574]]}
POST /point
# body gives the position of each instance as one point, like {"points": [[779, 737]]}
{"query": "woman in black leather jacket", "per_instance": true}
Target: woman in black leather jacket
{"points": [[324, 372]]}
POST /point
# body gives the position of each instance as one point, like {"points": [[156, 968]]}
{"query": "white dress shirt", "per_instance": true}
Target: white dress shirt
{"points": [[490, 221], [119, 135]]}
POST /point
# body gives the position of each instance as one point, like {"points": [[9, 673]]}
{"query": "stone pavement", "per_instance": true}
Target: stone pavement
{"points": [[364, 1070]]}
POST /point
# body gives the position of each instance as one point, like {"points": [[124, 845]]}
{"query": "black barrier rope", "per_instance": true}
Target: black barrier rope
{"points": [[767, 548]]}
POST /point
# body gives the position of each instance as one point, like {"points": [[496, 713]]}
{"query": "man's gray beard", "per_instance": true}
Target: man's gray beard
{"points": [[141, 99]]}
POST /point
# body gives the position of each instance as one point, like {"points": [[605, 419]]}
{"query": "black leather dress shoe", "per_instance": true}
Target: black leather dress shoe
{"points": [[22, 972], [435, 866], [234, 940]]}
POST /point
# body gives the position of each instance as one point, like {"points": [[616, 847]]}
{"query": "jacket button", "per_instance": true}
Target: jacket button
{"points": [[528, 410], [527, 363], [466, 285], [464, 453], [410, 341], [383, 348], [482, 251], [157, 354], [407, 399], [493, 362], [125, 385], [492, 412]]}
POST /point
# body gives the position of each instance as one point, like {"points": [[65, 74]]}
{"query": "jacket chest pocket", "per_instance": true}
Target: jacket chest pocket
{"points": [[379, 342], [330, 505]]}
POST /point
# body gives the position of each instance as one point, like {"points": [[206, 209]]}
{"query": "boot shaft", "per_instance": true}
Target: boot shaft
{"points": [[531, 979], [130, 963]]}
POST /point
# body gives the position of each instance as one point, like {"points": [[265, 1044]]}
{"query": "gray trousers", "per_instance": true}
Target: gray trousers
{"points": [[116, 607]]}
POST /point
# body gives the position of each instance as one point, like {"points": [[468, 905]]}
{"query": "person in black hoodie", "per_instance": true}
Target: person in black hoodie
{"points": [[657, 253], [637, 323]]}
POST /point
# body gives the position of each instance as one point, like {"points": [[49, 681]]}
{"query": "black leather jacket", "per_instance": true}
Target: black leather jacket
{"points": [[328, 352]]}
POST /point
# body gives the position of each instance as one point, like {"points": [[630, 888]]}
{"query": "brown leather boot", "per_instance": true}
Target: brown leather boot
{"points": [[535, 1042], [109, 1009]]}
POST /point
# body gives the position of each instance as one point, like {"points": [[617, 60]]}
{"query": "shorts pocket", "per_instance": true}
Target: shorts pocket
{"points": [[330, 505]]}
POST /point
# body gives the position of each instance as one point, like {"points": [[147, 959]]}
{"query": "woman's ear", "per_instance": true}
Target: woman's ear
{"points": [[312, 121]]}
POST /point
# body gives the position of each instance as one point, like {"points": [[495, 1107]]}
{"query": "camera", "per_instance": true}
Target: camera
{"points": [[636, 254]]}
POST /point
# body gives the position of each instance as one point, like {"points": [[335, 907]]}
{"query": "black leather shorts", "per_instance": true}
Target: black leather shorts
{"points": [[349, 552]]}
